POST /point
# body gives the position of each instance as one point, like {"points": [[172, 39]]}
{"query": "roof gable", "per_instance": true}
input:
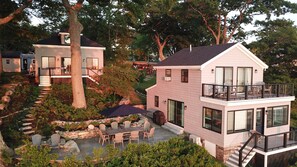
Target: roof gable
{"points": [[199, 57], [196, 57]]}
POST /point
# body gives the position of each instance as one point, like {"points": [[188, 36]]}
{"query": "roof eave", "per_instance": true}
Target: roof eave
{"points": [[68, 46], [178, 67]]}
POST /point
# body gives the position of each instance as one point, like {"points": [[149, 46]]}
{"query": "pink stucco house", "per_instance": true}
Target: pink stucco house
{"points": [[216, 94], [53, 58]]}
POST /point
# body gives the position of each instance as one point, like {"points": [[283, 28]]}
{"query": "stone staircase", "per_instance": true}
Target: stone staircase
{"points": [[234, 158], [28, 122]]}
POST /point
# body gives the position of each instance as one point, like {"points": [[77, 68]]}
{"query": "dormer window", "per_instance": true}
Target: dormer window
{"points": [[65, 38]]}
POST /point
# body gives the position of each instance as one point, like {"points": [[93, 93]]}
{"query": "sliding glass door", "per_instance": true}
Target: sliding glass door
{"points": [[176, 112], [244, 77]]}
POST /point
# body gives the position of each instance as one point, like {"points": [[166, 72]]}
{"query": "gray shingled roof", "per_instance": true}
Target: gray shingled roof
{"points": [[198, 55], [11, 54], [55, 40]]}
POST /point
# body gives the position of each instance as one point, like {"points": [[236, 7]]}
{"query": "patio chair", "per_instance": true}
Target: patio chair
{"points": [[114, 125], [103, 137], [118, 138], [127, 124], [149, 134], [102, 127], [146, 126], [268, 89], [134, 136]]}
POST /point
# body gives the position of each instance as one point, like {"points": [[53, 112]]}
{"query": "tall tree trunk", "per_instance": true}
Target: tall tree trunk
{"points": [[1, 65], [75, 28], [161, 54], [161, 45]]}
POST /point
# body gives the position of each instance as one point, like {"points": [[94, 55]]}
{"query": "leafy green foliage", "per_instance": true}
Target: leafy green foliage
{"points": [[175, 152], [35, 157], [118, 80]]}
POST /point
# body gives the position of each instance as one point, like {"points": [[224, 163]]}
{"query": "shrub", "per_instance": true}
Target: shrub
{"points": [[32, 156]]}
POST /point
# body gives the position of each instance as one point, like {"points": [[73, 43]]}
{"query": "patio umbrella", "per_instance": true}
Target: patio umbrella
{"points": [[122, 110]]}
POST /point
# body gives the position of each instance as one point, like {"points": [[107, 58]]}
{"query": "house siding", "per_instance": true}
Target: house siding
{"points": [[13, 66], [234, 58], [190, 94], [58, 53]]}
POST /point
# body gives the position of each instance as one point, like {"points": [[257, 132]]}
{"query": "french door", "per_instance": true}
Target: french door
{"points": [[176, 112], [244, 77]]}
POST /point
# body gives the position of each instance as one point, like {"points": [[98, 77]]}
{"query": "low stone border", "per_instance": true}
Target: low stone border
{"points": [[82, 134]]}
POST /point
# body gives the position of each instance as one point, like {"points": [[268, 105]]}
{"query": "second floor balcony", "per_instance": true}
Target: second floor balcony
{"points": [[245, 92]]}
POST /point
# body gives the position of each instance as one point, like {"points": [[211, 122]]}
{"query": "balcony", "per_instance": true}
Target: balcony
{"points": [[245, 92]]}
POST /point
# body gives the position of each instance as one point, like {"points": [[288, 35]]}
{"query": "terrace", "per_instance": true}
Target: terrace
{"points": [[245, 92]]}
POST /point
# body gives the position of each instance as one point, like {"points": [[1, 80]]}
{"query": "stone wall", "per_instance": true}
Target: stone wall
{"points": [[223, 154], [82, 134]]}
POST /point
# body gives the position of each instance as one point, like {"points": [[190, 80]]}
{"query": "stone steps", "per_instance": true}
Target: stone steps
{"points": [[28, 120], [31, 132], [26, 128], [27, 124]]}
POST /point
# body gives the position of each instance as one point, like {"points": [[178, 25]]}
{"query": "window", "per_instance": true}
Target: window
{"points": [[48, 62], [277, 116], [156, 101], [239, 121], [224, 75], [244, 75], [7, 61], [184, 75], [93, 63], [168, 73], [176, 112], [212, 119]]}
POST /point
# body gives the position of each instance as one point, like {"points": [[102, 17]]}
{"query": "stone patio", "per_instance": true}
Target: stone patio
{"points": [[86, 146]]}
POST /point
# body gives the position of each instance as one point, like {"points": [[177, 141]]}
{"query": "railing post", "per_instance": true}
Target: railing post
{"points": [[246, 92], [285, 140], [202, 88], [240, 158], [228, 93], [256, 141], [262, 91], [266, 144], [213, 91], [277, 90]]}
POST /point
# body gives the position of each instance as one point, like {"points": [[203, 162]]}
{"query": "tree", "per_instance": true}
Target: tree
{"points": [[118, 80], [7, 18], [277, 47], [224, 19], [75, 28]]}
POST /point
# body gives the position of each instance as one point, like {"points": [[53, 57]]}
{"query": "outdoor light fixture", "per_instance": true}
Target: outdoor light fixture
{"points": [[83, 60], [185, 107], [164, 101], [212, 70], [256, 70]]}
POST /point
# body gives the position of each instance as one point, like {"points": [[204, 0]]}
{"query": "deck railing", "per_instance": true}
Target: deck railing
{"points": [[277, 141], [252, 143], [61, 71], [244, 92]]}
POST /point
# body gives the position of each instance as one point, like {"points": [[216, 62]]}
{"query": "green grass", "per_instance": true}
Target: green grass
{"points": [[148, 82]]}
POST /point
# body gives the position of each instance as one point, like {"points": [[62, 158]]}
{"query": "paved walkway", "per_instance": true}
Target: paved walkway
{"points": [[86, 146]]}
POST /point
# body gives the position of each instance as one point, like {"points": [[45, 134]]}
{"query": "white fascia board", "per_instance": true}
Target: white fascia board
{"points": [[247, 102], [244, 50], [252, 56], [147, 89], [177, 67], [62, 46], [218, 56]]}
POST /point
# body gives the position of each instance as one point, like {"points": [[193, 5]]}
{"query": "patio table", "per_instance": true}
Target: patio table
{"points": [[122, 130]]}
